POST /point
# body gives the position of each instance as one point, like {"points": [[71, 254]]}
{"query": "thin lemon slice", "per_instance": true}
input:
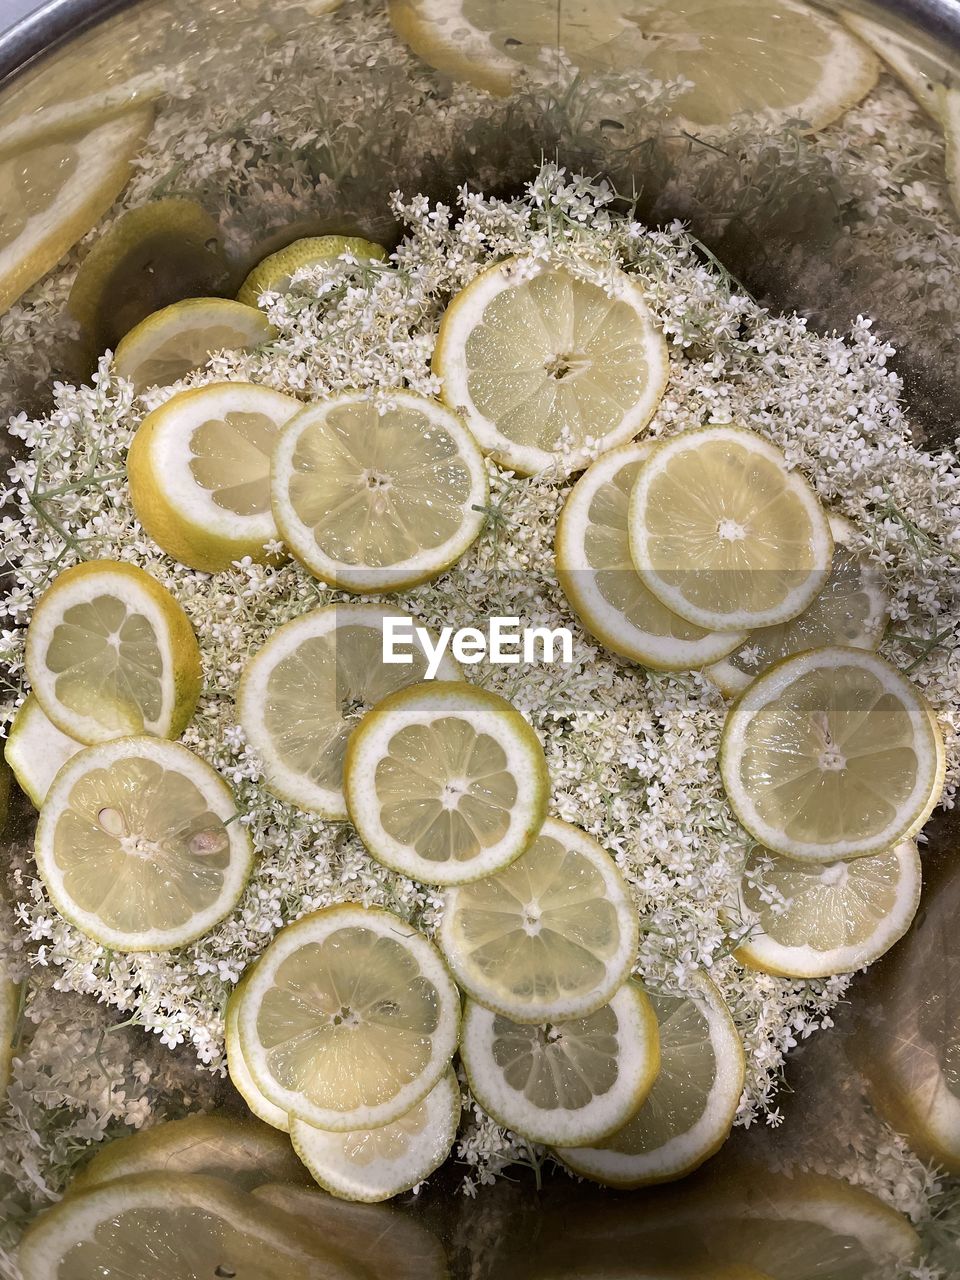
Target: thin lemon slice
{"points": [[378, 501], [547, 367], [9, 1019], [199, 471], [915, 66], [309, 685], [948, 100], [851, 609], [138, 847], [723, 534], [35, 750], [375, 1164], [831, 754], [775, 59], [349, 1018], [597, 576], [110, 651], [240, 1076], [242, 1152], [812, 921], [690, 1109], [177, 339], [275, 273], [551, 936], [568, 1082], [445, 783]]}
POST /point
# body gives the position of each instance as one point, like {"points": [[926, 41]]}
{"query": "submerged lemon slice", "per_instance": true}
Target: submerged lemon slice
{"points": [[138, 847], [9, 1017], [548, 367], [597, 576], [689, 1111], [375, 1164], [199, 471], [723, 534], [445, 783], [349, 1018], [306, 689], [916, 66], [110, 651], [35, 750], [831, 754], [239, 1072], [275, 273], [373, 501], [551, 936]]}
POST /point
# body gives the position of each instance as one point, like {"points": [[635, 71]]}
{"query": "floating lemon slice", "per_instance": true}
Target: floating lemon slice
{"points": [[831, 754], [551, 936], [568, 1082], [306, 689], [9, 1019], [349, 1018], [375, 1164], [36, 749], [445, 782], [138, 847], [689, 1111], [275, 273], [182, 337], [948, 101], [829, 918], [240, 1076], [796, 65], [373, 501], [851, 609], [597, 576], [548, 368], [917, 67], [723, 534], [110, 651], [199, 471]]}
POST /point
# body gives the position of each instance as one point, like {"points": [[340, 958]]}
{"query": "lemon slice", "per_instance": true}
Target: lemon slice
{"points": [[723, 534], [948, 101], [240, 1076], [373, 501], [547, 367], [597, 576], [56, 185], [182, 337], [568, 1082], [110, 651], [551, 936], [199, 471], [309, 685], [36, 749], [813, 921], [916, 67], [375, 1164], [349, 1018], [275, 273], [851, 609], [831, 754], [796, 65], [138, 847], [9, 1019], [690, 1109], [445, 782], [242, 1152]]}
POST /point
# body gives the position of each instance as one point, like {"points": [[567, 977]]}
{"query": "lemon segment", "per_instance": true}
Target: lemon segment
{"points": [[831, 754], [349, 1018], [551, 936], [375, 1164], [275, 273], [199, 472], [811, 921], [562, 1083], [445, 783], [916, 67], [304, 691], [110, 651], [9, 1018], [547, 368], [35, 750], [240, 1076], [138, 847], [378, 501], [689, 1111], [723, 534], [850, 610], [174, 341], [597, 576]]}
